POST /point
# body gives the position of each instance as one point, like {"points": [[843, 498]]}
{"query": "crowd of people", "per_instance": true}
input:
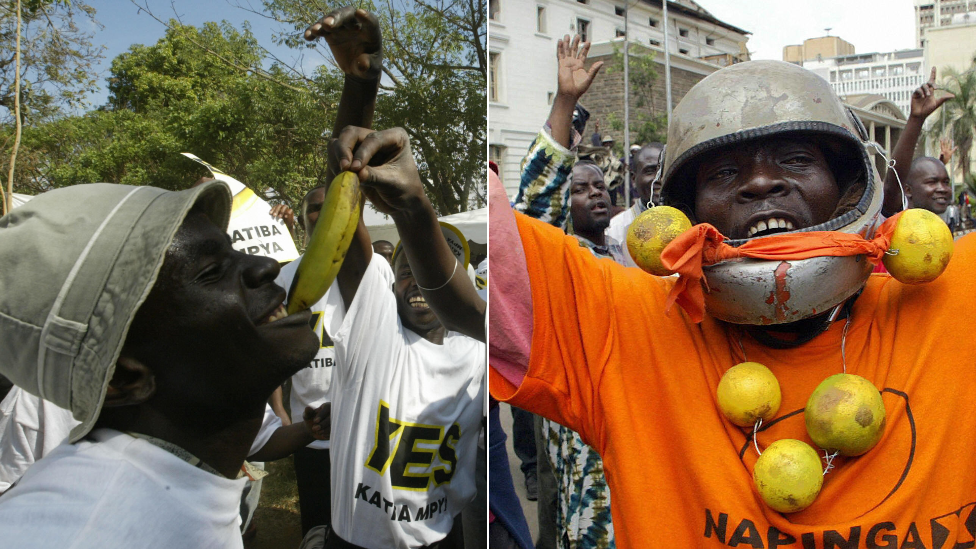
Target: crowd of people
{"points": [[593, 354], [147, 355]]}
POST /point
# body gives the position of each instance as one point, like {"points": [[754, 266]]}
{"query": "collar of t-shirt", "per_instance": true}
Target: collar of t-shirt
{"points": [[176, 451], [599, 251]]}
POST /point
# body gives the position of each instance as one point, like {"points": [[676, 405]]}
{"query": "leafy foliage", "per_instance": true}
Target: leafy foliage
{"points": [[171, 98], [202, 90], [646, 126], [435, 77], [57, 57], [960, 114]]}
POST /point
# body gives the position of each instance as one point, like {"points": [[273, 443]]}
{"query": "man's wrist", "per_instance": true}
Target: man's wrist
{"points": [[414, 207], [364, 81]]}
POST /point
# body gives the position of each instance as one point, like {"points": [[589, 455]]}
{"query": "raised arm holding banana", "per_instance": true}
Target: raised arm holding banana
{"points": [[398, 365], [389, 178], [355, 40]]}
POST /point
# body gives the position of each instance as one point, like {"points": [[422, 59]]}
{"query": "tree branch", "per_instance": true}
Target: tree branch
{"points": [[256, 72]]}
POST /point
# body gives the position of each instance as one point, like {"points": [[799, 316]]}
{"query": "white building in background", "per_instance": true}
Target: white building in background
{"points": [[938, 13], [952, 46], [522, 56], [894, 75]]}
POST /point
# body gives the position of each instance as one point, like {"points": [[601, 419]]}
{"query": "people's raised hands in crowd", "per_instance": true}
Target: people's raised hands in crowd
{"points": [[319, 421], [946, 149], [573, 78], [572, 81], [924, 102], [387, 172], [284, 213], [355, 39]]}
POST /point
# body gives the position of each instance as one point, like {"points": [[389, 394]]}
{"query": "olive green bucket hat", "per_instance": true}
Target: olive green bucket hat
{"points": [[75, 265]]}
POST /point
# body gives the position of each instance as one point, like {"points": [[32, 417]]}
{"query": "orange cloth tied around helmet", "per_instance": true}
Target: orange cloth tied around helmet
{"points": [[704, 245]]}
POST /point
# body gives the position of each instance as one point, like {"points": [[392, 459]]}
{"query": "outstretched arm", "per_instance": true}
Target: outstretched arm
{"points": [[923, 104], [544, 179], [390, 180], [356, 42], [288, 439]]}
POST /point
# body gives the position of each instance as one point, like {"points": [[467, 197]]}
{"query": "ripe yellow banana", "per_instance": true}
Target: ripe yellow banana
{"points": [[329, 243]]}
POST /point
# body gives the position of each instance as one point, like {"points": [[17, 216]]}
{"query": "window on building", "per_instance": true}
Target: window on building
{"points": [[494, 9], [683, 32], [583, 1], [683, 50], [619, 11], [652, 22], [496, 153], [655, 42], [583, 29], [494, 61], [710, 41], [540, 19], [620, 32]]}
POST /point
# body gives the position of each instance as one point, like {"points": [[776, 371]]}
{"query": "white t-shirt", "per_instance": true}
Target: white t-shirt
{"points": [[310, 386], [29, 429], [616, 235], [269, 425], [119, 491], [405, 420]]}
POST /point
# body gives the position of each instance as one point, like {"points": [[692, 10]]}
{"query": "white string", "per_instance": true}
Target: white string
{"points": [[829, 458], [742, 349], [755, 435], [843, 342], [890, 163]]}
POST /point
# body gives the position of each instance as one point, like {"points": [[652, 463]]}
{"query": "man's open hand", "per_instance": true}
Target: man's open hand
{"points": [[387, 172], [319, 421], [924, 101], [572, 77], [355, 39]]}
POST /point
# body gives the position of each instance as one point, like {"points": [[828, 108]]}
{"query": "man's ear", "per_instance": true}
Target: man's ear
{"points": [[132, 383]]}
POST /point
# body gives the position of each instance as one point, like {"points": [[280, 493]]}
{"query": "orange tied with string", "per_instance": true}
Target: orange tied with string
{"points": [[704, 245]]}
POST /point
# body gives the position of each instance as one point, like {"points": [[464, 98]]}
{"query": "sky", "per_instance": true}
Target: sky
{"points": [[870, 25]]}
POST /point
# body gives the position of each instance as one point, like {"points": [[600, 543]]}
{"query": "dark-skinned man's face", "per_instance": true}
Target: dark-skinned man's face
{"points": [[411, 305], [311, 210], [385, 249], [210, 329], [589, 202], [765, 186], [645, 168], [929, 186]]}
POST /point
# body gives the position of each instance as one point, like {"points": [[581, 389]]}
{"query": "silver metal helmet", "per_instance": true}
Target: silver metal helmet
{"points": [[756, 100]]}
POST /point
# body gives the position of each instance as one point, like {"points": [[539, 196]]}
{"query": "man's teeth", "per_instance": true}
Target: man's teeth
{"points": [[279, 313], [419, 302], [768, 224]]}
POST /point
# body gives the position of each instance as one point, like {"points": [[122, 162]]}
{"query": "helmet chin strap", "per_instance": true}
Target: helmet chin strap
{"points": [[805, 330], [890, 163]]}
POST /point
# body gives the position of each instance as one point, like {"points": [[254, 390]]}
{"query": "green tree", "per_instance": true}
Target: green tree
{"points": [[174, 97], [960, 115], [435, 77], [57, 57], [648, 121]]}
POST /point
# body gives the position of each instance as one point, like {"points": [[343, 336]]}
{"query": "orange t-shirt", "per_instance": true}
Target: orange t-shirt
{"points": [[639, 386]]}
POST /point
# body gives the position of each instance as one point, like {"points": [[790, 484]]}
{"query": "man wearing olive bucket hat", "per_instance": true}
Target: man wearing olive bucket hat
{"points": [[128, 307]]}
